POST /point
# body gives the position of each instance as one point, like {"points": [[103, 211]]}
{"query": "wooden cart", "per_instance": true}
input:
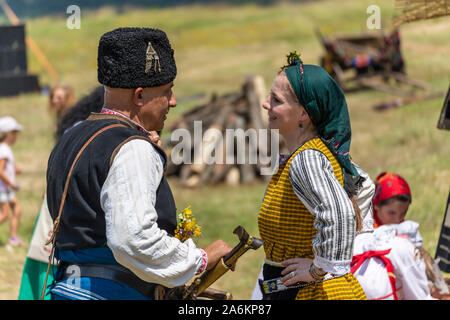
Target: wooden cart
{"points": [[373, 60]]}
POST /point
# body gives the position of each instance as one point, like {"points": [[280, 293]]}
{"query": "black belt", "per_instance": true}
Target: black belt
{"points": [[109, 272]]}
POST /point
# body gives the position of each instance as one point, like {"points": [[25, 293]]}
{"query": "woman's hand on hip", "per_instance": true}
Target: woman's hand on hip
{"points": [[297, 270]]}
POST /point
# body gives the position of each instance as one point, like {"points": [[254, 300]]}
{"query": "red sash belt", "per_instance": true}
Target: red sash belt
{"points": [[359, 259]]}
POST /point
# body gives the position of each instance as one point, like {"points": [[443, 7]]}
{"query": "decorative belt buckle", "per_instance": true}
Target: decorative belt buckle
{"points": [[273, 285]]}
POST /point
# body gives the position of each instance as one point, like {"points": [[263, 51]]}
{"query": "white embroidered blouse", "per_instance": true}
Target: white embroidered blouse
{"points": [[312, 178]]}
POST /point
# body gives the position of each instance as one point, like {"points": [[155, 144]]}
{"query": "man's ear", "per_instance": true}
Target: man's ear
{"points": [[138, 97]]}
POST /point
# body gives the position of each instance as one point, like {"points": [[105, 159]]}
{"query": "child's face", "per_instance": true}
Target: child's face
{"points": [[392, 213], [11, 137]]}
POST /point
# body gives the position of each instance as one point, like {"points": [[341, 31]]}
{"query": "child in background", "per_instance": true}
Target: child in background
{"points": [[9, 129], [388, 262]]}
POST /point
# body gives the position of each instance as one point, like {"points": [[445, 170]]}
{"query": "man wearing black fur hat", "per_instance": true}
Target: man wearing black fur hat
{"points": [[113, 209]]}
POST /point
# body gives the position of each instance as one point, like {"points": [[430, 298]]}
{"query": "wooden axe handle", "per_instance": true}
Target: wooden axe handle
{"points": [[215, 294]]}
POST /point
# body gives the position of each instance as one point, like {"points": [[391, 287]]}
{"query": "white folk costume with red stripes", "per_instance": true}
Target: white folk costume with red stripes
{"points": [[388, 265]]}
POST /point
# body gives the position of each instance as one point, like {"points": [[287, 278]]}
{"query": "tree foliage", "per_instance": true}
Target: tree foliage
{"points": [[33, 8]]}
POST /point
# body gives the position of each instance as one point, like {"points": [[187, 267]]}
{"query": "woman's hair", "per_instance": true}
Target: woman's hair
{"points": [[288, 87], [3, 136]]}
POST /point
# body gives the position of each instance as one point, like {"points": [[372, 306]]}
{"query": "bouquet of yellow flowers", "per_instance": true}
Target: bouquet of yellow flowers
{"points": [[187, 227]]}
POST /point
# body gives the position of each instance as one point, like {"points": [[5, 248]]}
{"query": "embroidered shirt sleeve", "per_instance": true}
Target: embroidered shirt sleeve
{"points": [[313, 181], [364, 200], [128, 198]]}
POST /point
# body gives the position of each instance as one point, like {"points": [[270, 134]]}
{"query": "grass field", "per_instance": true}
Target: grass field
{"points": [[215, 48]]}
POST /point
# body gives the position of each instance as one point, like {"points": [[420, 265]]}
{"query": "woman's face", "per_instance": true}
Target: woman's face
{"points": [[59, 99], [284, 111], [392, 213]]}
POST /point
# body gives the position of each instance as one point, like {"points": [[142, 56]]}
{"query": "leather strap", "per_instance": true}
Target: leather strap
{"points": [[63, 199]]}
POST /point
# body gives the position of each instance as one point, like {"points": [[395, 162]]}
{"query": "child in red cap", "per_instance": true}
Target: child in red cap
{"points": [[392, 199], [387, 262]]}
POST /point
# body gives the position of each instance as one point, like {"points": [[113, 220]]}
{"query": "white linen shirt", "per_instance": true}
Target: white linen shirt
{"points": [[364, 199], [128, 199]]}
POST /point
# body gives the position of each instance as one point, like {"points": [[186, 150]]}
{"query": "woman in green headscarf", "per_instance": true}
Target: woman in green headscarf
{"points": [[308, 219]]}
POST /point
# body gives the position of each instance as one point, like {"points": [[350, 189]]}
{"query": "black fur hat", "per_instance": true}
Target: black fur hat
{"points": [[135, 57]]}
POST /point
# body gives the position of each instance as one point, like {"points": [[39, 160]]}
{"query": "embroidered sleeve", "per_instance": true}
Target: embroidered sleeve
{"points": [[128, 198], [313, 180], [364, 200], [204, 262]]}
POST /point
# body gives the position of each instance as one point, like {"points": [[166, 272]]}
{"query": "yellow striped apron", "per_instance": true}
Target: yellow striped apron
{"points": [[287, 228]]}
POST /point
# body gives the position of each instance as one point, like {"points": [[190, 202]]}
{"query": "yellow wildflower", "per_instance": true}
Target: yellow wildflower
{"points": [[187, 226]]}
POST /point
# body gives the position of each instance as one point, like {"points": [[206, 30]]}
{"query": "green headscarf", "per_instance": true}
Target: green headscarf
{"points": [[324, 101]]}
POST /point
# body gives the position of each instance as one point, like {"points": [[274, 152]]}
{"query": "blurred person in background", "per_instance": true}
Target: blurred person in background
{"points": [[61, 99], [9, 131], [81, 111]]}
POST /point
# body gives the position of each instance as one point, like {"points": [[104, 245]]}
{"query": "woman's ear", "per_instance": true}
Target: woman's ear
{"points": [[303, 115], [138, 97]]}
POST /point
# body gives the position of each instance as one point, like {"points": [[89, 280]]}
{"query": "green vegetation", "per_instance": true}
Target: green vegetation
{"points": [[215, 48]]}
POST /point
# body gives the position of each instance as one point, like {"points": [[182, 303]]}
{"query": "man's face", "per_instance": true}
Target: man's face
{"points": [[156, 102]]}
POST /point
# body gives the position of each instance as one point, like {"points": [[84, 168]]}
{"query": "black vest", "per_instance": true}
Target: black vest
{"points": [[83, 220]]}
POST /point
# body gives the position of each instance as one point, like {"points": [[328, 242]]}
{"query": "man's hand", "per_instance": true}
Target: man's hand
{"points": [[215, 252], [154, 137]]}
